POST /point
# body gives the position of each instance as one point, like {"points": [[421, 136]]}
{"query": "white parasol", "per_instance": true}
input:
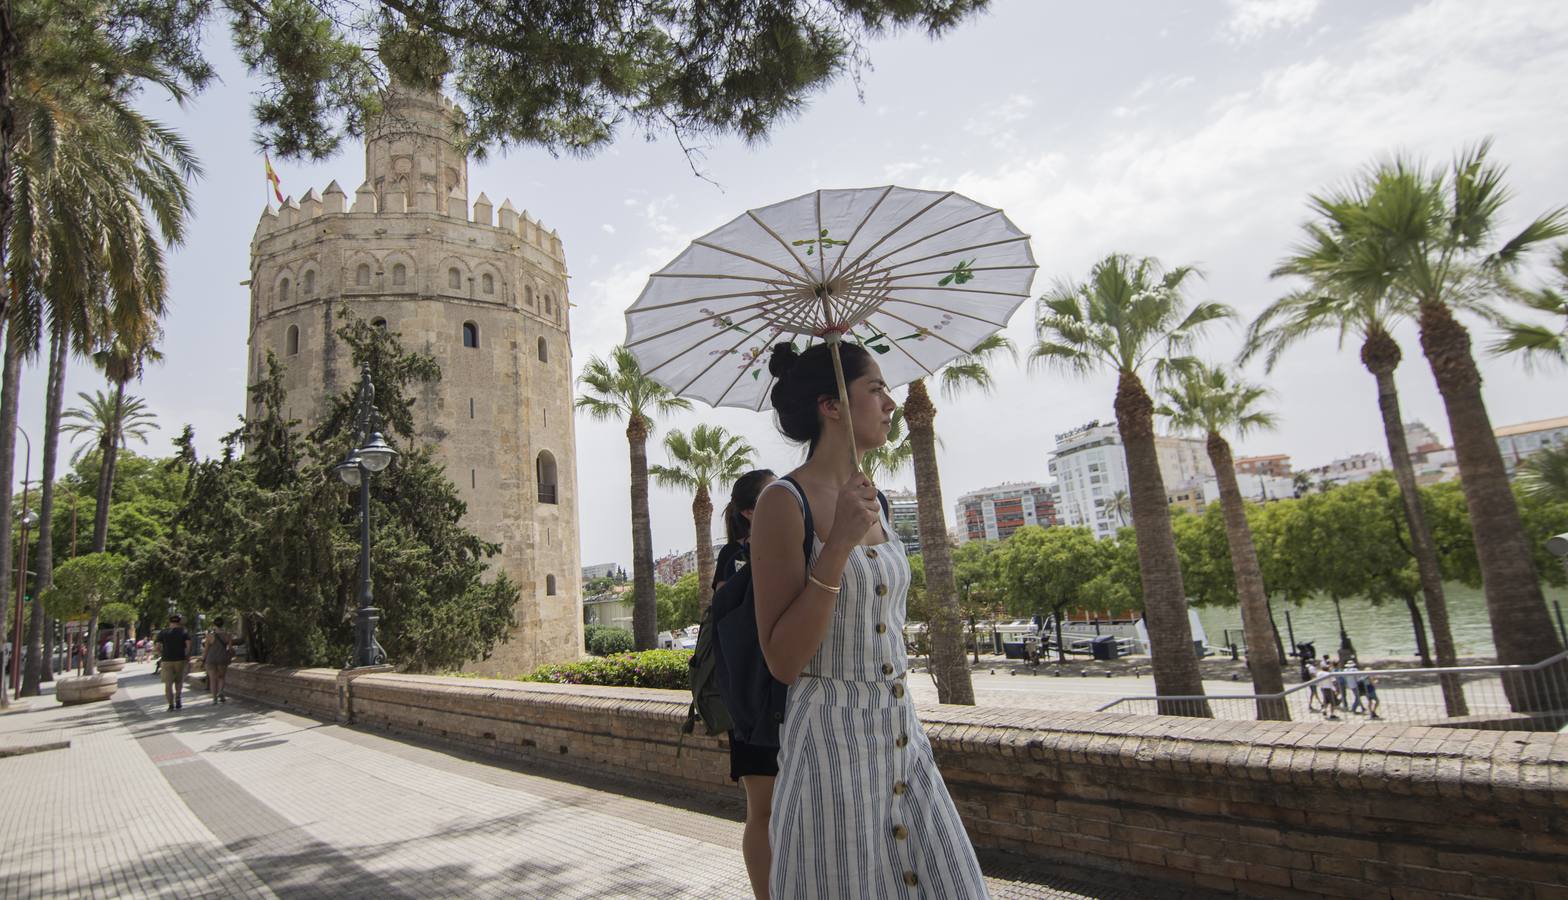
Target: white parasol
{"points": [[918, 277]]}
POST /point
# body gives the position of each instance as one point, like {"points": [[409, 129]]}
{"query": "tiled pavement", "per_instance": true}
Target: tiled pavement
{"points": [[240, 800]]}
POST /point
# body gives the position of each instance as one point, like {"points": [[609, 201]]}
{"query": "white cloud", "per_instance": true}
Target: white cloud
{"points": [[607, 228], [1252, 19]]}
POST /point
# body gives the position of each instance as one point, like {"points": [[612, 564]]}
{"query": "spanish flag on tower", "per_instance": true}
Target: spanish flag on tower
{"points": [[272, 177]]}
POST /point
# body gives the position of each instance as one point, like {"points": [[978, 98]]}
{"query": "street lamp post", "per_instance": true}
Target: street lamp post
{"points": [[21, 579], [370, 456]]}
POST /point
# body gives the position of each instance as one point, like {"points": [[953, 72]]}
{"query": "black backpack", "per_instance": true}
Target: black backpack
{"points": [[732, 687]]}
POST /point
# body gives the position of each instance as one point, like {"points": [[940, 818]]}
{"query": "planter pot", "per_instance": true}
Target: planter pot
{"points": [[86, 688], [111, 665]]}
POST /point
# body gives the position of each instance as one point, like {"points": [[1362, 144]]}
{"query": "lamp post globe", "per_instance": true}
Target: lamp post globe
{"points": [[377, 454], [349, 471]]}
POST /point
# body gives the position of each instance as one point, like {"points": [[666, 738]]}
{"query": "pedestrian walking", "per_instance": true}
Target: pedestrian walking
{"points": [[1358, 685], [1326, 686], [173, 655], [219, 653], [860, 810], [1312, 673], [752, 766]]}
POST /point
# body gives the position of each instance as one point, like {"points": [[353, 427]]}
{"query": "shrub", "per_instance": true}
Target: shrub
{"points": [[668, 669], [604, 641]]}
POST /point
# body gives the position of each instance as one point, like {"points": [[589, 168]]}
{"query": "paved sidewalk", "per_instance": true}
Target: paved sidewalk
{"points": [[239, 800]]}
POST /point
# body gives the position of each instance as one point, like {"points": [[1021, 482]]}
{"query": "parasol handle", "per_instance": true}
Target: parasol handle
{"points": [[832, 338]]}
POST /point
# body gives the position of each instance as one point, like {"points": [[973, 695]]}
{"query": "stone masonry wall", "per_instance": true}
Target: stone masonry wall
{"points": [[1288, 810]]}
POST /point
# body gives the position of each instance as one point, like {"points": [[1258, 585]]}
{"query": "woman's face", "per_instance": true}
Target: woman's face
{"points": [[871, 407]]}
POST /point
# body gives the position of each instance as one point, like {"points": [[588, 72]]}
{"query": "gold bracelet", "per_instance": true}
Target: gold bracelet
{"points": [[813, 579]]}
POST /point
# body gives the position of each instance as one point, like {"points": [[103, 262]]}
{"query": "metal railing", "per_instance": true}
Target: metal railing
{"points": [[1521, 698]]}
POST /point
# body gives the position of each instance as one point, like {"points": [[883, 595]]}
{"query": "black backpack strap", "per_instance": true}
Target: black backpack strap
{"points": [[805, 513], [886, 510]]}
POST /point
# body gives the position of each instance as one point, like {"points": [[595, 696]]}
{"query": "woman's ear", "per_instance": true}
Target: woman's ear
{"points": [[746, 514], [828, 407]]}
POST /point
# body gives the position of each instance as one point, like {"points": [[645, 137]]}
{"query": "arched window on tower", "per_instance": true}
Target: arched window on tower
{"points": [[283, 291], [379, 323], [549, 585], [470, 334], [291, 341], [487, 283], [549, 304], [528, 295], [362, 275], [310, 282], [544, 351], [399, 275], [544, 470], [454, 279]]}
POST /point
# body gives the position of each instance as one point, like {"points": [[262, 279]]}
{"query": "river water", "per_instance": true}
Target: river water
{"points": [[1377, 631]]}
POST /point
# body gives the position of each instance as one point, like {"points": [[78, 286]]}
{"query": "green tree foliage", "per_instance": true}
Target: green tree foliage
{"points": [[680, 604], [273, 534]]}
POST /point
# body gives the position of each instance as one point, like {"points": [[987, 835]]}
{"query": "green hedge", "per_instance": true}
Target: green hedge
{"points": [[602, 640], [668, 669]]}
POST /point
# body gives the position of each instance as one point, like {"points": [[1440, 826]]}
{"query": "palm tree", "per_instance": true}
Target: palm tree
{"points": [[1437, 230], [711, 455], [103, 420], [1545, 474], [96, 187], [617, 389], [1369, 313], [1130, 316], [1533, 342], [1208, 401], [970, 371], [890, 458], [1121, 505]]}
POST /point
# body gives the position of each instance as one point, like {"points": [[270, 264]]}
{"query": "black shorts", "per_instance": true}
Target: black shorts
{"points": [[749, 759]]}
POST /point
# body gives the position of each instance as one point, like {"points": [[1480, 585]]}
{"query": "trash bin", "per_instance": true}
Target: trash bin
{"points": [[1014, 650], [1104, 647]]}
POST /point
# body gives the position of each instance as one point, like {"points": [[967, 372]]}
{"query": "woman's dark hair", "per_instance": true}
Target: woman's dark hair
{"points": [[805, 378], [744, 496], [217, 622]]}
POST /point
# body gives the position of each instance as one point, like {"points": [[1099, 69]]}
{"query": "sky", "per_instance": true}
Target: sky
{"points": [[1191, 132]]}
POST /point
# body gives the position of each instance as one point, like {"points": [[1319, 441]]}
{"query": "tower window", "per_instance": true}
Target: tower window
{"points": [[487, 283], [470, 334], [291, 341], [470, 407], [283, 291], [362, 275], [549, 585], [310, 282], [549, 304], [544, 351], [400, 275], [454, 279], [544, 470], [528, 295], [379, 323]]}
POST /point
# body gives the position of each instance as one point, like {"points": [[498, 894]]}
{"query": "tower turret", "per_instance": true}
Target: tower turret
{"points": [[412, 148]]}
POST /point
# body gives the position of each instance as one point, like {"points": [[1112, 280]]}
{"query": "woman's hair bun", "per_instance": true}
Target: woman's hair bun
{"points": [[784, 358]]}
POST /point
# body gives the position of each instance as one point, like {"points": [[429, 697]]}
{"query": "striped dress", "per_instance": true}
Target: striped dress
{"points": [[859, 808]]}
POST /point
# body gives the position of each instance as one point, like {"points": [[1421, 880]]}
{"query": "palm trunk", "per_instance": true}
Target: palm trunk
{"points": [[1381, 355], [1175, 663], [1419, 627], [110, 447], [645, 608], [38, 661], [46, 671], [10, 393], [1264, 664], [702, 514], [948, 666], [1521, 626]]}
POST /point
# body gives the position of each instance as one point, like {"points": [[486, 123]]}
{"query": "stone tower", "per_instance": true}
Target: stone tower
{"points": [[486, 295]]}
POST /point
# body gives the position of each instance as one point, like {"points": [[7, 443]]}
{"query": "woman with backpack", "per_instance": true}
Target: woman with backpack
{"points": [[220, 652], [859, 808], [752, 766]]}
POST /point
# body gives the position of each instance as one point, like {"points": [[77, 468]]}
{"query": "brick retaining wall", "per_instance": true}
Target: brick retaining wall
{"points": [[1261, 809]]}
